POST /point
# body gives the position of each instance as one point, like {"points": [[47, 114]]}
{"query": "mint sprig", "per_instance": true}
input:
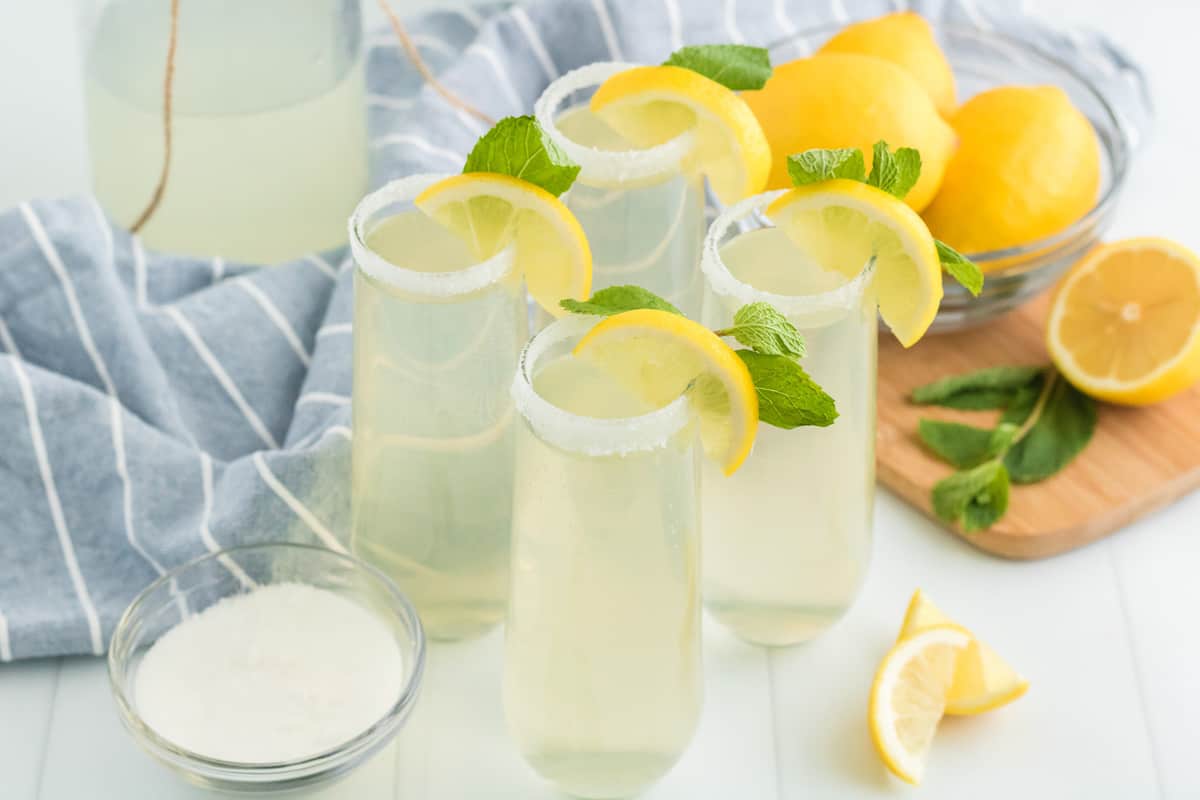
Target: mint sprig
{"points": [[894, 172], [734, 66], [787, 396], [1046, 422], [518, 147]]}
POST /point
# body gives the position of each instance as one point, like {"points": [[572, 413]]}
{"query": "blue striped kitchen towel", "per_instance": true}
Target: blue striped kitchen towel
{"points": [[154, 408]]}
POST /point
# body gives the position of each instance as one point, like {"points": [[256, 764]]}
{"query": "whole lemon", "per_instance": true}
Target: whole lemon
{"points": [[850, 100], [1027, 166], [906, 40]]}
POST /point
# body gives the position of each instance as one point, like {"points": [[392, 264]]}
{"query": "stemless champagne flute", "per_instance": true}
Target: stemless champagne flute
{"points": [[267, 120], [643, 211], [602, 669], [788, 537], [436, 342]]}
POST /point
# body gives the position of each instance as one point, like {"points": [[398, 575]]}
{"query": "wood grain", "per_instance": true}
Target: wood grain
{"points": [[1139, 459]]}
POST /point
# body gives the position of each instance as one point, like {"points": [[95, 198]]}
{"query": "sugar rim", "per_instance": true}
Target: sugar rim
{"points": [[722, 281], [589, 436], [430, 284], [605, 166]]}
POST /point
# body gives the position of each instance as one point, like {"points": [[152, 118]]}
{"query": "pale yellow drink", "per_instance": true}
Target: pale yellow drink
{"points": [[436, 340], [788, 537], [642, 210], [602, 669], [268, 125]]}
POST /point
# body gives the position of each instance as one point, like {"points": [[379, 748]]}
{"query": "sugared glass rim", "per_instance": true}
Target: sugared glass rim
{"points": [[266, 776], [722, 282], [460, 282], [591, 436], [606, 167]]}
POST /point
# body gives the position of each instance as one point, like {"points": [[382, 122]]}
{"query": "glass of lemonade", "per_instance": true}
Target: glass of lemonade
{"points": [[788, 537], [603, 682], [269, 149], [643, 212], [436, 342]]}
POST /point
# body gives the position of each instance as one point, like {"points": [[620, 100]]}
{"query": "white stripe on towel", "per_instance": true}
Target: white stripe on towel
{"points": [[335, 329], [468, 15], [386, 101], [276, 316], [323, 398], [206, 485], [218, 269], [52, 500], [105, 230], [838, 9], [300, 510], [420, 144], [214, 366], [535, 42], [506, 81], [731, 26], [786, 26], [321, 264], [5, 645], [139, 273], [606, 28], [674, 23]]}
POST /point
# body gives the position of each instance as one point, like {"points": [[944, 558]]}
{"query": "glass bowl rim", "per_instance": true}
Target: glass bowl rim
{"points": [[309, 767], [1119, 157]]}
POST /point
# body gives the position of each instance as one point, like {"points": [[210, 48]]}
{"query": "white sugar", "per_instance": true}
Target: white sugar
{"points": [[281, 673]]}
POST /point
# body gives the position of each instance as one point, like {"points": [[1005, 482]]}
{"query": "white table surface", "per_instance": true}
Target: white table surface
{"points": [[1108, 634]]}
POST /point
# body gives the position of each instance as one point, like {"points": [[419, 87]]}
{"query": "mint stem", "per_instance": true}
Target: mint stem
{"points": [[1052, 377]]}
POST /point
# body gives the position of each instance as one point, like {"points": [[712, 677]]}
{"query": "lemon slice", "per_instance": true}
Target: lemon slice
{"points": [[842, 224], [489, 211], [660, 356], [982, 679], [649, 106], [908, 697], [1125, 324]]}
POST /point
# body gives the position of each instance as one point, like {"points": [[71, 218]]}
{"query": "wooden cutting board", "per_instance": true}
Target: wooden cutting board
{"points": [[1139, 459]]}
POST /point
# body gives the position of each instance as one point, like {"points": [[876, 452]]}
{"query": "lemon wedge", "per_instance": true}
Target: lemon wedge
{"points": [[982, 679], [909, 695], [660, 356], [1125, 323], [841, 224], [649, 106], [489, 211]]}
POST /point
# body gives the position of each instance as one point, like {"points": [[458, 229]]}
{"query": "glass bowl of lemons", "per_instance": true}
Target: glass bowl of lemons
{"points": [[1026, 135]]}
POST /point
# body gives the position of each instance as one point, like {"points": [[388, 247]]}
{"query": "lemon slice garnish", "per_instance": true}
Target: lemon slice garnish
{"points": [[649, 106], [660, 355], [909, 694], [1125, 324], [842, 224], [489, 211]]}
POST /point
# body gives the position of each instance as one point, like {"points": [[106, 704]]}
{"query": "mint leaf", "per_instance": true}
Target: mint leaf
{"points": [[734, 66], [964, 445], [814, 166], [1063, 429], [973, 498], [1022, 403], [787, 396], [764, 330], [895, 173], [616, 299], [517, 146], [993, 387], [959, 267]]}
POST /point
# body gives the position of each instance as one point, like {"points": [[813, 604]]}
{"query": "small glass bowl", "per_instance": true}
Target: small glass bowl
{"points": [[1119, 110], [203, 582]]}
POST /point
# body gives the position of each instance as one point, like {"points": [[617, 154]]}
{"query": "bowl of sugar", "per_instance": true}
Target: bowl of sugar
{"points": [[267, 667]]}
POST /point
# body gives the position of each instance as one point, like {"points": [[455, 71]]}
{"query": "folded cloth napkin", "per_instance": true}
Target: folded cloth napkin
{"points": [[155, 408]]}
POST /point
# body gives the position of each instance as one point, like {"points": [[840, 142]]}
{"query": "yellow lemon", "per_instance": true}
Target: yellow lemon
{"points": [[851, 100], [1027, 166], [982, 679], [906, 40], [1125, 323], [661, 356], [908, 697], [652, 105], [489, 211]]}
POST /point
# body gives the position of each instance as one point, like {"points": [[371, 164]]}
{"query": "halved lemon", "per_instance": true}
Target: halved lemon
{"points": [[660, 356], [841, 224], [908, 697], [489, 211], [982, 679], [1125, 324], [652, 105]]}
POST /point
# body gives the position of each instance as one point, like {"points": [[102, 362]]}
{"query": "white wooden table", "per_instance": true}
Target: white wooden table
{"points": [[1108, 635]]}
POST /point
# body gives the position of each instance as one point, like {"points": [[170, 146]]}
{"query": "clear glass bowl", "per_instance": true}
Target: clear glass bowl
{"points": [[240, 569], [1102, 82]]}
